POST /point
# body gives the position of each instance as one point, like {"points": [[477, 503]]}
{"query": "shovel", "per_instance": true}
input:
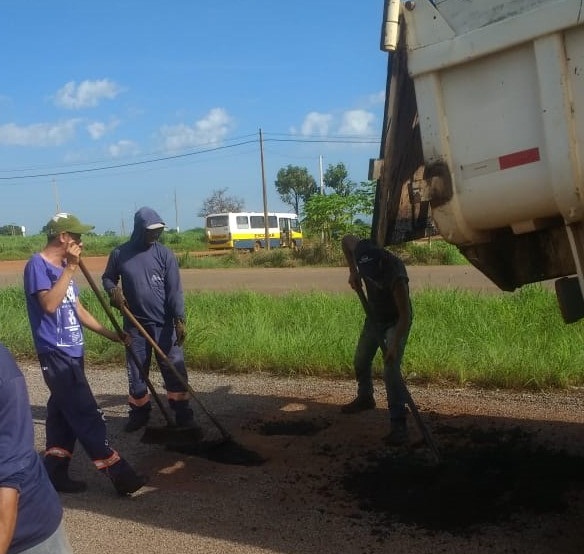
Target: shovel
{"points": [[226, 450], [171, 432]]}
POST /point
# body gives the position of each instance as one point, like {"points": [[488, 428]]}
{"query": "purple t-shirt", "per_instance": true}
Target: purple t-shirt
{"points": [[39, 507], [61, 330]]}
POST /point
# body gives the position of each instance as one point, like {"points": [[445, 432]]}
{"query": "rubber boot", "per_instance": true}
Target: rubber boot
{"points": [[58, 470], [123, 477], [138, 417], [183, 414], [359, 404], [398, 434]]}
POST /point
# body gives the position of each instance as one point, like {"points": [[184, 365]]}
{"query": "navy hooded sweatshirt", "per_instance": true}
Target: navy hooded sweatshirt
{"points": [[149, 274], [39, 506]]}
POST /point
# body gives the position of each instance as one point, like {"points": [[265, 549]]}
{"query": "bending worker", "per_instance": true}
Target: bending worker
{"points": [[151, 290], [389, 319]]}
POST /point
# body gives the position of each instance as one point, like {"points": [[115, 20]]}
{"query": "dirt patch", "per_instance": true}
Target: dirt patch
{"points": [[280, 280]]}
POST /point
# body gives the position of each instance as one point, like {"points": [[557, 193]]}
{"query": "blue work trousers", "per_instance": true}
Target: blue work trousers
{"points": [[367, 347], [72, 411], [165, 337], [57, 543]]}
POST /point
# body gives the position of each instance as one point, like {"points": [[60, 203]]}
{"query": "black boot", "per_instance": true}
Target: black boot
{"points": [[58, 470], [138, 417], [359, 404], [184, 415], [124, 478], [398, 434]]}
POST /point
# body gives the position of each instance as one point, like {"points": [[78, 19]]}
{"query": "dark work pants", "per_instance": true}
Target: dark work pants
{"points": [[72, 411], [165, 337], [367, 347]]}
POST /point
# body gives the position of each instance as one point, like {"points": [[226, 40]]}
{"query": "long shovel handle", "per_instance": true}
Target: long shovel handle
{"points": [[125, 310], [409, 400], [105, 305]]}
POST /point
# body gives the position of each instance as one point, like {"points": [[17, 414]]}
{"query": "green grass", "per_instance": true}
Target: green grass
{"points": [[188, 245], [511, 340], [21, 248]]}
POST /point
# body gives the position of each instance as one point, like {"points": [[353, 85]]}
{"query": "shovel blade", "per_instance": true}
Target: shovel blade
{"points": [[172, 435]]}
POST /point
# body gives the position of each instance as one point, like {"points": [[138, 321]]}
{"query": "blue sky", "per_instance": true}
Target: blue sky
{"points": [[109, 106]]}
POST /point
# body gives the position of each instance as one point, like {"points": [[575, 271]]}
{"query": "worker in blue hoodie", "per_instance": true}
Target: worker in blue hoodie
{"points": [[151, 289]]}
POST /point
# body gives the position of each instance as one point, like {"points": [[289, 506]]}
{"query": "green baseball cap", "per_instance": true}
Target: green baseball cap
{"points": [[66, 223]]}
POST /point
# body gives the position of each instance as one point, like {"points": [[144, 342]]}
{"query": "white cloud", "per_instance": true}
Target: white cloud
{"points": [[87, 94], [357, 123], [98, 129], [376, 98], [210, 130], [39, 134], [123, 148], [316, 124]]}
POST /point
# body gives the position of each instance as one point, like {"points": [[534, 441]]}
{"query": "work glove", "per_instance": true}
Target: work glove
{"points": [[117, 298], [180, 330]]}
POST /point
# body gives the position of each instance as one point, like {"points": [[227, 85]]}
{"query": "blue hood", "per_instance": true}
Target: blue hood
{"points": [[143, 218]]}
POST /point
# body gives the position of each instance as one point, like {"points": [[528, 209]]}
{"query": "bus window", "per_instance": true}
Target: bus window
{"points": [[218, 221], [256, 221], [242, 222]]}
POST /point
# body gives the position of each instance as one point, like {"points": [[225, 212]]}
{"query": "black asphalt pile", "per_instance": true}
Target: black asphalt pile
{"points": [[221, 451], [486, 477], [298, 427]]}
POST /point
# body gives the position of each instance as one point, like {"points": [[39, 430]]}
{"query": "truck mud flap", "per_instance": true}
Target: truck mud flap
{"points": [[570, 299]]}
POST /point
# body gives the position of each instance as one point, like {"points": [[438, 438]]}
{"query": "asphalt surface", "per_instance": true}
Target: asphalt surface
{"points": [[319, 492]]}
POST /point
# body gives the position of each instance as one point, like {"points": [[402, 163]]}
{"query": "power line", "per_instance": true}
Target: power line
{"points": [[331, 140], [127, 164], [146, 155]]}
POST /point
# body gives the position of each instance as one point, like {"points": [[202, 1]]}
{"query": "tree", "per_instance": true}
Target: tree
{"points": [[334, 215], [294, 185], [220, 202], [12, 230], [336, 177]]}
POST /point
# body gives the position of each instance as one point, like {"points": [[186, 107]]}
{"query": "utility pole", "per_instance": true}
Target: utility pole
{"points": [[321, 179], [176, 212], [264, 194], [56, 193], [321, 190]]}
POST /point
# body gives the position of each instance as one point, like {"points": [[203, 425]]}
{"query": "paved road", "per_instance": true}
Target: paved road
{"points": [[281, 280]]}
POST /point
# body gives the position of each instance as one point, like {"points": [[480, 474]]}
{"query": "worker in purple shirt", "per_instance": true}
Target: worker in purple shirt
{"points": [[30, 509], [151, 290], [57, 320]]}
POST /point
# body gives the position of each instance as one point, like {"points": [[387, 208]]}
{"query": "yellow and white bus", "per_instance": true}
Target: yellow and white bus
{"points": [[246, 231]]}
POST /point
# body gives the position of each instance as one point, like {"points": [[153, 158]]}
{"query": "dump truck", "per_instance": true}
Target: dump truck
{"points": [[483, 137]]}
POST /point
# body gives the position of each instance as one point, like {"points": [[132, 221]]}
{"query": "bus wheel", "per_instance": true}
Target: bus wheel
{"points": [[294, 246], [257, 246]]}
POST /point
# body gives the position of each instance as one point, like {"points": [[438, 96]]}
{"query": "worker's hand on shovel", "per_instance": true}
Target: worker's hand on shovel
{"points": [[117, 298], [180, 331], [125, 339], [114, 336]]}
